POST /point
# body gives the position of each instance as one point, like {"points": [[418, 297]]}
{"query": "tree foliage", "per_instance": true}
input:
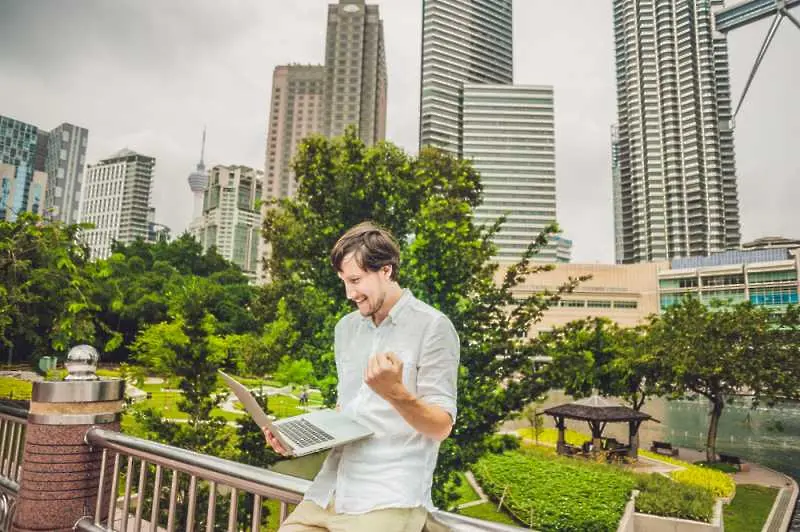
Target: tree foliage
{"points": [[595, 355], [135, 286], [187, 346], [45, 305], [720, 351]]}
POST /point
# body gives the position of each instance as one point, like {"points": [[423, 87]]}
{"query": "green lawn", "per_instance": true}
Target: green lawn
{"points": [[167, 402], [488, 512], [11, 388], [749, 509], [464, 491]]}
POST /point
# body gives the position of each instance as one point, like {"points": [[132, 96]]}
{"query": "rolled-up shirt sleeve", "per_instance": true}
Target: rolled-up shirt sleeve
{"points": [[437, 374]]}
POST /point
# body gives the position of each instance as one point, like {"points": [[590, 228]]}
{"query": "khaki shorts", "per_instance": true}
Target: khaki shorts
{"points": [[309, 517]]}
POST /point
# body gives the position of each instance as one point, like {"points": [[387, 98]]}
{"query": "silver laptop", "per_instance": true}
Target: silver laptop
{"points": [[304, 434]]}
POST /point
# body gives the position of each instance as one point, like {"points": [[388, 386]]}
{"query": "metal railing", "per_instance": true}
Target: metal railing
{"points": [[12, 440], [150, 486], [200, 488]]}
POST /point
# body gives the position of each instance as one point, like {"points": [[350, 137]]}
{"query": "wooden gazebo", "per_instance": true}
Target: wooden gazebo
{"points": [[598, 412]]}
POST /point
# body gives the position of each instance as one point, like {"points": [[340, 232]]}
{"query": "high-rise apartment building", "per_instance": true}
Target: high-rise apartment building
{"points": [[19, 144], [231, 220], [677, 177], [117, 200], [509, 134], [64, 164], [463, 41], [48, 170], [355, 71], [296, 111]]}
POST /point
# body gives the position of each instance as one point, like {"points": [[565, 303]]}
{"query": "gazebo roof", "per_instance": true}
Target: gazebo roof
{"points": [[597, 408]]}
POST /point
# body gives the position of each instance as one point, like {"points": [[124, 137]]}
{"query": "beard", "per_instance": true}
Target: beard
{"points": [[374, 308]]}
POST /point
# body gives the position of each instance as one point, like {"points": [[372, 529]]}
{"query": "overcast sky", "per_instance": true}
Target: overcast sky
{"points": [[149, 74]]}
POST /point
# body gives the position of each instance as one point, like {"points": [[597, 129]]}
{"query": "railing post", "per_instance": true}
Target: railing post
{"points": [[60, 471]]}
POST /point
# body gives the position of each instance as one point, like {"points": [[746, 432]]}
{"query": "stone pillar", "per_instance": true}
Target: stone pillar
{"points": [[60, 473]]}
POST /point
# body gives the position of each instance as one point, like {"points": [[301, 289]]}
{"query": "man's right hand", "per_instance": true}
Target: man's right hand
{"points": [[275, 444]]}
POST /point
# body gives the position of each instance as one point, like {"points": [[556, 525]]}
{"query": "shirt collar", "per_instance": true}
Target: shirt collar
{"points": [[396, 310]]}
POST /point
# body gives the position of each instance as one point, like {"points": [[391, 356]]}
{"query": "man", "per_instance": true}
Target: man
{"points": [[397, 363]]}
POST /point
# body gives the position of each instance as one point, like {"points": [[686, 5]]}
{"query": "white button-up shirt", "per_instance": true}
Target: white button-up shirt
{"points": [[394, 467]]}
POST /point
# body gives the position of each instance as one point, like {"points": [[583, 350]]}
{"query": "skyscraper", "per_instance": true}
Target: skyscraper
{"points": [[19, 143], [355, 71], [677, 177], [463, 41], [117, 200], [509, 134], [296, 111], [64, 164], [231, 221]]}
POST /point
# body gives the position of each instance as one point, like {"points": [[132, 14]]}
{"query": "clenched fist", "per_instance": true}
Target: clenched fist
{"points": [[384, 374]]}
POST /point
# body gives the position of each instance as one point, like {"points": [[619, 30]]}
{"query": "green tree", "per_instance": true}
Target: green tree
{"points": [[582, 353], [636, 373], [44, 294], [717, 352], [595, 355], [134, 286], [294, 371], [427, 201], [187, 346]]}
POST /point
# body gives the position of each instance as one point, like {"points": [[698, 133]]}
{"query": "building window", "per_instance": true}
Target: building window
{"points": [[598, 304], [773, 296], [667, 300], [626, 304], [723, 280], [772, 277]]}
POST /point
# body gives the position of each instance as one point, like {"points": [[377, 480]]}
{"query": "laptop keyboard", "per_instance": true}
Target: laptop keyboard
{"points": [[303, 433]]}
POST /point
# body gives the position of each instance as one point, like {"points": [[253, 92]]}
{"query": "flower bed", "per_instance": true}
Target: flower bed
{"points": [[720, 484]]}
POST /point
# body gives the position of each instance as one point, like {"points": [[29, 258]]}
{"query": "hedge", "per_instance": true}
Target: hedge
{"points": [[664, 497]]}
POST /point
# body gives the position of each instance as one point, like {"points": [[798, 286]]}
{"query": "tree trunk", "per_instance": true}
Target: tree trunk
{"points": [[711, 442]]}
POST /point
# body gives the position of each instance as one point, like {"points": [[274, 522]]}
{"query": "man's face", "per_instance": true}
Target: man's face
{"points": [[367, 289]]}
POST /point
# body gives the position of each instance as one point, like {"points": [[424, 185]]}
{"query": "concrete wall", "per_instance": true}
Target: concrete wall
{"points": [[652, 523]]}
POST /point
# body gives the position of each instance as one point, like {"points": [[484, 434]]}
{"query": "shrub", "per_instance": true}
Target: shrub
{"points": [[720, 484], [664, 497], [501, 443]]}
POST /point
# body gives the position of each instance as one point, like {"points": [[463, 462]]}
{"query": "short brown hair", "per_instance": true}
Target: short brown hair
{"points": [[372, 246]]}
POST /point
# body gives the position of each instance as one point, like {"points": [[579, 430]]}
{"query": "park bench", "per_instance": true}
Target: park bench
{"points": [[733, 460], [665, 448]]}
